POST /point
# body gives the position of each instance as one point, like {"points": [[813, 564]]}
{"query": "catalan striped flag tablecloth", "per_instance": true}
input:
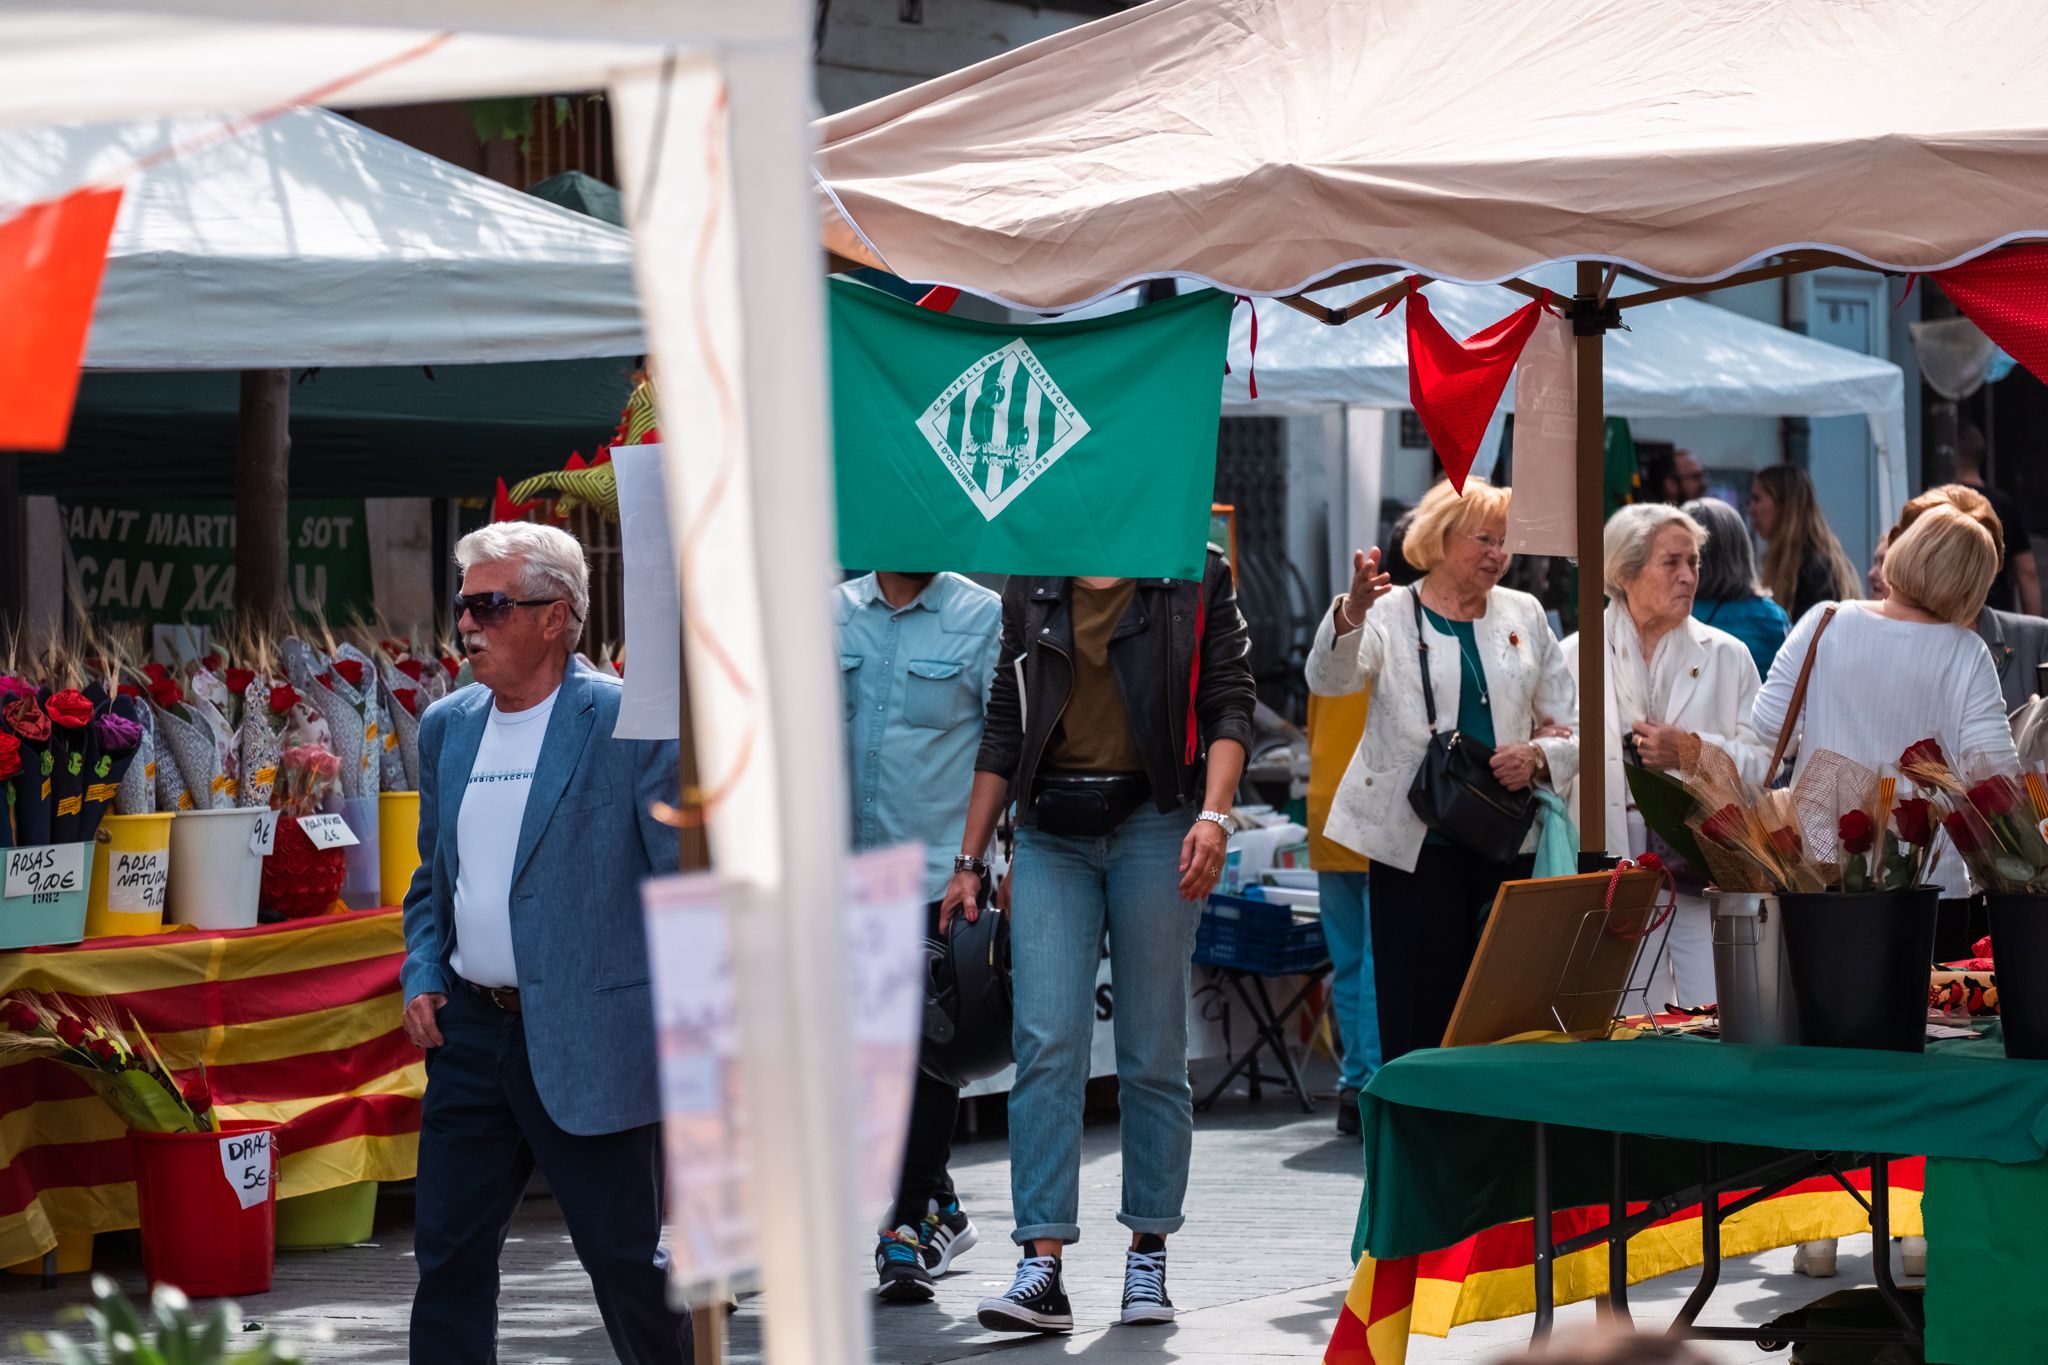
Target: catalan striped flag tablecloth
{"points": [[296, 1023]]}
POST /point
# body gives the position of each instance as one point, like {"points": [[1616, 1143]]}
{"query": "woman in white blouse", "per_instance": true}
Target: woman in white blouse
{"points": [[1670, 680], [1497, 677]]}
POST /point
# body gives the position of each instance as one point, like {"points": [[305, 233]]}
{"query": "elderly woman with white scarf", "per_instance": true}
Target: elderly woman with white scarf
{"points": [[1670, 679]]}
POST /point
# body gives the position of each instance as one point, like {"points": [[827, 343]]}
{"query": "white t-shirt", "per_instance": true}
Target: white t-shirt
{"points": [[487, 837]]}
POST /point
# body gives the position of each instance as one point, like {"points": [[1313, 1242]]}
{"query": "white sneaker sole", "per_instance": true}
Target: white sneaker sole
{"points": [[955, 1249], [1001, 1315], [1145, 1314]]}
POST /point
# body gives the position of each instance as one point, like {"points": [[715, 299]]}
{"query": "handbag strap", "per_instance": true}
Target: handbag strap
{"points": [[1422, 652], [1798, 696]]}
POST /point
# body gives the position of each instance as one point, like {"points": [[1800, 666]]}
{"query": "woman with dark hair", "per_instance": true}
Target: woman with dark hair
{"points": [[1803, 562], [1729, 597]]}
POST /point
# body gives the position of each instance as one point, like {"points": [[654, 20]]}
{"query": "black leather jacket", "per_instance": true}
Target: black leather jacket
{"points": [[1152, 652]]}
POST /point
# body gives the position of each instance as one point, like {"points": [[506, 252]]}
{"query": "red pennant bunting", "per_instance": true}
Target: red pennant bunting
{"points": [[51, 258], [940, 299], [576, 461], [2006, 293], [1455, 385], [504, 509]]}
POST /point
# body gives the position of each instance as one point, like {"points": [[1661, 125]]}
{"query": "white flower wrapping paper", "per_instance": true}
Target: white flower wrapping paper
{"points": [[405, 726], [340, 707], [261, 745], [137, 793], [371, 706], [191, 747]]}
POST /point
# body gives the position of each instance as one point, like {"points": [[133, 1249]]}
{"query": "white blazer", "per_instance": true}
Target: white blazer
{"points": [[1526, 678], [1712, 696]]}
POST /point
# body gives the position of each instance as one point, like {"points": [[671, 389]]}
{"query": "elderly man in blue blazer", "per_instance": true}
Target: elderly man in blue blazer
{"points": [[525, 972]]}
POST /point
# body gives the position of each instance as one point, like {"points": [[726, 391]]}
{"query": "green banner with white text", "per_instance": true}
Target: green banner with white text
{"points": [[1063, 448]]}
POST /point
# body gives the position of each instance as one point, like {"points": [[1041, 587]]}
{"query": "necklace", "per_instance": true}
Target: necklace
{"points": [[1472, 669]]}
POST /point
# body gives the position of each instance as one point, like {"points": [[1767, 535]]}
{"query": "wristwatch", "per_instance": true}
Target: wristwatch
{"points": [[1219, 819], [963, 862]]}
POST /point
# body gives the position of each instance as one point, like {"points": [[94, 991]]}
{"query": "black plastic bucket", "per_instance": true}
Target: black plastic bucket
{"points": [[2019, 952], [1859, 966]]}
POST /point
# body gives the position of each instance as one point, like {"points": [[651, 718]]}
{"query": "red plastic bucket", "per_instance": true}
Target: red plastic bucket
{"points": [[209, 1208]]}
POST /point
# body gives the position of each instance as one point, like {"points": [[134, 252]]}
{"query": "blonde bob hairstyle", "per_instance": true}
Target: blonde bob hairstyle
{"points": [[1943, 564], [1444, 512]]}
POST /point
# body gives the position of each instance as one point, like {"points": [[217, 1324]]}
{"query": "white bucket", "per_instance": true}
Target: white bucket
{"points": [[216, 877]]}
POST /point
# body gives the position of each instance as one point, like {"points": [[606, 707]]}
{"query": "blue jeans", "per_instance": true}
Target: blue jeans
{"points": [[1347, 931], [1067, 892]]}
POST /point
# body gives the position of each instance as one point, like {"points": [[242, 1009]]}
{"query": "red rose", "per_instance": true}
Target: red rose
{"points": [[1915, 819], [283, 698], [25, 717], [1992, 797], [1927, 753], [155, 672], [166, 693], [70, 709], [19, 1017], [412, 668], [453, 665], [198, 1094], [239, 680], [1958, 826], [71, 1029], [102, 1049], [210, 662], [1786, 842], [350, 670], [14, 687], [129, 690], [1723, 826], [10, 757], [407, 698], [1857, 831]]}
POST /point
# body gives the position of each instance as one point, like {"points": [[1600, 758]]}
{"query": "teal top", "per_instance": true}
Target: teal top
{"points": [[1475, 710]]}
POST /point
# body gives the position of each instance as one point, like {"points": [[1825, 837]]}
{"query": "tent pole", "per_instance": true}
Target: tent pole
{"points": [[1589, 336], [263, 446]]}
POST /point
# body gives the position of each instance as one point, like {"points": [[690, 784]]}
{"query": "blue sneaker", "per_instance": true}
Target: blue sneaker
{"points": [[899, 1264]]}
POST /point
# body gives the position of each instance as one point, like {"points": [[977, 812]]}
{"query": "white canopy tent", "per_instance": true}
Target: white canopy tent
{"points": [[709, 103], [311, 240]]}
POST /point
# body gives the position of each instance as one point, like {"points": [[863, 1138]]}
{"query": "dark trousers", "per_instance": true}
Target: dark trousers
{"points": [[928, 1147], [482, 1129], [1425, 932]]}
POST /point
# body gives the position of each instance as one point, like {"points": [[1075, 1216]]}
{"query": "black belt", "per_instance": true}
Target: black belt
{"points": [[504, 998]]}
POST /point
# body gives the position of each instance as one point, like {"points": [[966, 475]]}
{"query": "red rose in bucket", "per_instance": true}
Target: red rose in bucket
{"points": [[10, 756], [1858, 831], [239, 680], [1915, 820], [1958, 826], [412, 668], [1723, 826], [198, 1094], [283, 698], [166, 693], [1991, 797], [70, 709], [71, 1030], [350, 671], [1926, 753]]}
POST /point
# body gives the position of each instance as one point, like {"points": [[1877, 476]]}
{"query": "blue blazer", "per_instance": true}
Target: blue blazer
{"points": [[585, 845]]}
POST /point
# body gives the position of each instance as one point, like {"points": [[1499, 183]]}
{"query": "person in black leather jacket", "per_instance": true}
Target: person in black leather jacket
{"points": [[1119, 720]]}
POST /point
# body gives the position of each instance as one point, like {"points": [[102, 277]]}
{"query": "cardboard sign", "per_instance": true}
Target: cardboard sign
{"points": [[245, 1161], [327, 831], [49, 870], [136, 882], [263, 838]]}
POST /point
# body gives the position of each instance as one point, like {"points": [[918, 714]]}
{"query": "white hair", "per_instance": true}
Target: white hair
{"points": [[1628, 537], [551, 564]]}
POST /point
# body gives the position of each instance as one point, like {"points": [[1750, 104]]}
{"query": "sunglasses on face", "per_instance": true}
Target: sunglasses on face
{"points": [[492, 608]]}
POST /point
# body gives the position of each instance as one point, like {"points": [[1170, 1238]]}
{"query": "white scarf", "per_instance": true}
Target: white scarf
{"points": [[1642, 690]]}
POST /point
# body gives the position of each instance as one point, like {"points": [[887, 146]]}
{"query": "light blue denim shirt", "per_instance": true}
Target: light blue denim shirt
{"points": [[915, 682]]}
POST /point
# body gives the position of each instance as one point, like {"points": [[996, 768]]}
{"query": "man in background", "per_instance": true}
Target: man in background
{"points": [[2018, 585], [917, 653]]}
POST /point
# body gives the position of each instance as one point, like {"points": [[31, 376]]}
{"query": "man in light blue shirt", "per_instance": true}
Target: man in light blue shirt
{"points": [[917, 654]]}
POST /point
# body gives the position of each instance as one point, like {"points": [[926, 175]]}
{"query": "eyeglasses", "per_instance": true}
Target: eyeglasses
{"points": [[492, 608], [1491, 544]]}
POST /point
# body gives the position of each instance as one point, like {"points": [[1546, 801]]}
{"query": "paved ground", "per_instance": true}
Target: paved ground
{"points": [[1258, 1274]]}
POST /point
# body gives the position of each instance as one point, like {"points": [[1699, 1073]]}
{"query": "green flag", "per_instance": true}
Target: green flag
{"points": [[1065, 448]]}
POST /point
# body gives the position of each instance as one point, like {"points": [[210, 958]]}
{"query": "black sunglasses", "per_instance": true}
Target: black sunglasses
{"points": [[491, 608]]}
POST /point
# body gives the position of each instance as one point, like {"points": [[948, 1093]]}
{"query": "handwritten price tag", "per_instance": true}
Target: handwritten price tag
{"points": [[263, 838], [136, 882], [327, 831], [245, 1160], [51, 870]]}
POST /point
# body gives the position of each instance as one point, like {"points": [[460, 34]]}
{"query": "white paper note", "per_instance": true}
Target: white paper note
{"points": [[48, 870], [136, 881], [263, 838], [245, 1162], [648, 708], [327, 831]]}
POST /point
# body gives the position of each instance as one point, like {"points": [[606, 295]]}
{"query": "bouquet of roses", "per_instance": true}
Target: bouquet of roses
{"points": [[200, 773], [121, 1064], [299, 879], [22, 716], [336, 689], [1995, 819]]}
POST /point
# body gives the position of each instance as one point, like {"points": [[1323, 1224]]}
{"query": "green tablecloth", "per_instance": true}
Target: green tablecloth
{"points": [[1449, 1151]]}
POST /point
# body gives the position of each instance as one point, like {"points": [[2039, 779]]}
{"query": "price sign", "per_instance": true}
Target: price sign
{"points": [[136, 882], [263, 839], [246, 1162], [44, 873], [327, 831]]}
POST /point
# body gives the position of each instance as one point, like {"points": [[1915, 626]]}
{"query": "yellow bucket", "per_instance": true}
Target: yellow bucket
{"points": [[131, 864], [398, 844], [74, 1254]]}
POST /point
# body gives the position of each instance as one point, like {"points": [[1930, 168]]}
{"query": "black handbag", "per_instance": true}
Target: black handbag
{"points": [[1455, 791]]}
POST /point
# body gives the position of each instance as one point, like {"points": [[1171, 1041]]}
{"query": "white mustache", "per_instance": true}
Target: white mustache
{"points": [[475, 642]]}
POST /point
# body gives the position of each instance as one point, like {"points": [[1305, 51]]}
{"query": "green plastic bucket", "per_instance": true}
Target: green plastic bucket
{"points": [[340, 1217]]}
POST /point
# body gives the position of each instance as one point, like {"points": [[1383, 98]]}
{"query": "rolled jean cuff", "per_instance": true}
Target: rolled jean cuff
{"points": [[1158, 1227], [1047, 1232]]}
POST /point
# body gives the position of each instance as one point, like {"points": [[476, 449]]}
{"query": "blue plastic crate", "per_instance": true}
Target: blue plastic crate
{"points": [[1258, 936]]}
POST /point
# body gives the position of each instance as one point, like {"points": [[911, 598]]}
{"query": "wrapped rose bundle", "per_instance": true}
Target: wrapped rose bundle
{"points": [[22, 716], [191, 767], [121, 1064], [71, 748], [299, 879], [1995, 819]]}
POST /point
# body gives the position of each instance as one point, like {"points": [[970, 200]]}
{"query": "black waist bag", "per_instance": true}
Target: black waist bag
{"points": [[1087, 805], [1455, 791]]}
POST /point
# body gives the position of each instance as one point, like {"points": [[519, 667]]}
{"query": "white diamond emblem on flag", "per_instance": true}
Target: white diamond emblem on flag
{"points": [[1000, 425]]}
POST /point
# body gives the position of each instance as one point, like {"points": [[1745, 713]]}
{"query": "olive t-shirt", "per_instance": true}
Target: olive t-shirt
{"points": [[1094, 733]]}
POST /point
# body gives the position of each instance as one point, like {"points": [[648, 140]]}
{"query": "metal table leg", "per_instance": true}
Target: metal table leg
{"points": [[1881, 1247], [1546, 1306], [1710, 1246], [1279, 1037], [1615, 1306]]}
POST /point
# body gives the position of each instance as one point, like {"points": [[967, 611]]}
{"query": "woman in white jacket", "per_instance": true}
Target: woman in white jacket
{"points": [[1498, 678], [1671, 681]]}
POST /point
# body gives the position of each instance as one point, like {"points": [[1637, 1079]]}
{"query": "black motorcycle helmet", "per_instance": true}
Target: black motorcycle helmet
{"points": [[967, 1000]]}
